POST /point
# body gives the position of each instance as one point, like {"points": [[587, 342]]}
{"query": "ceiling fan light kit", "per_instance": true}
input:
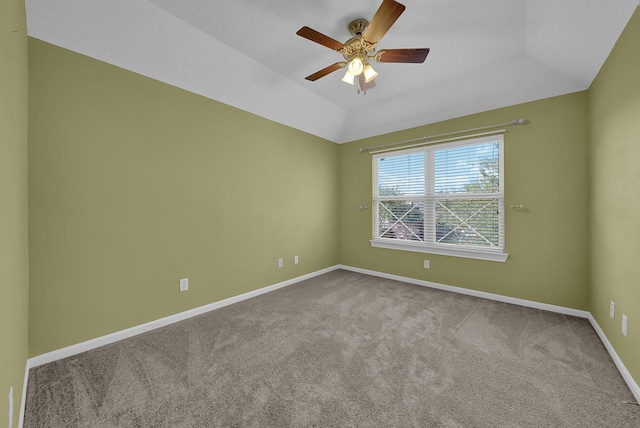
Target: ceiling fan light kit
{"points": [[360, 50]]}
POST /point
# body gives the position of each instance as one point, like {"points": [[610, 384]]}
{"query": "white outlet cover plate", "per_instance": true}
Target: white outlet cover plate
{"points": [[624, 325], [184, 284], [612, 310]]}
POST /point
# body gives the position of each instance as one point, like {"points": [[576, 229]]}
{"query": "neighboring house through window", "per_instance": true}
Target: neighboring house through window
{"points": [[443, 199]]}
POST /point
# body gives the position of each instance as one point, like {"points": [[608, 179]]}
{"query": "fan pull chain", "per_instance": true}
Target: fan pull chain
{"points": [[360, 82]]}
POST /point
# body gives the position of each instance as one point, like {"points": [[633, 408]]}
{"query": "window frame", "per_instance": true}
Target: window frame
{"points": [[447, 249]]}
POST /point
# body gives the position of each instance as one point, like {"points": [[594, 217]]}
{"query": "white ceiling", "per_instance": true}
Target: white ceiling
{"points": [[485, 54]]}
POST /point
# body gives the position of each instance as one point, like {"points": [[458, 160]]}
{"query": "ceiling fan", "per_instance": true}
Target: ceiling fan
{"points": [[359, 50]]}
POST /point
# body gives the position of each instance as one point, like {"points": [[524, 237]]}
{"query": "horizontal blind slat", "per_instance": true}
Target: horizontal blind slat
{"points": [[401, 175], [467, 169]]}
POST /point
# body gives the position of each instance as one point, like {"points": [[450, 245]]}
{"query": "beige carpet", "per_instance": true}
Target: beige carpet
{"points": [[344, 350]]}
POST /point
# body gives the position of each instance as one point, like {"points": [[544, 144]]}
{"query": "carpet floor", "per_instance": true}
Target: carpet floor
{"points": [[343, 350]]}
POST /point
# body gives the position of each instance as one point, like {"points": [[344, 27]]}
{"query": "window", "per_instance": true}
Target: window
{"points": [[443, 199]]}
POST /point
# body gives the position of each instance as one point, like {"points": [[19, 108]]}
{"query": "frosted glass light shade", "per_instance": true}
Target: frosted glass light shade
{"points": [[369, 73], [356, 66], [348, 77]]}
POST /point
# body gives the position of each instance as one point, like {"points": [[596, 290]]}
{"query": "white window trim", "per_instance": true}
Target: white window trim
{"points": [[421, 247], [488, 254]]}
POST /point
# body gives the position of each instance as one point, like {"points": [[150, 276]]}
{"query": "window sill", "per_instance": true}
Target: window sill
{"points": [[479, 254]]}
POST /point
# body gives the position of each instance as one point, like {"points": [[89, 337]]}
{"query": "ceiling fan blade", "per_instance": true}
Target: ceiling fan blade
{"points": [[327, 70], [402, 55], [385, 17], [315, 36]]}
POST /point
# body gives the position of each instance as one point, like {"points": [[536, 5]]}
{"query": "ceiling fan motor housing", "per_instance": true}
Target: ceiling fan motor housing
{"points": [[357, 26], [357, 46]]}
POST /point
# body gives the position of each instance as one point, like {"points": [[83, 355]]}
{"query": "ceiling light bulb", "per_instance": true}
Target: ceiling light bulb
{"points": [[369, 73], [348, 77], [355, 66]]}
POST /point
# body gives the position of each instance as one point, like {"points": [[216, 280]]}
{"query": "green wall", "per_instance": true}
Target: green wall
{"points": [[134, 184], [14, 265], [545, 169], [614, 118]]}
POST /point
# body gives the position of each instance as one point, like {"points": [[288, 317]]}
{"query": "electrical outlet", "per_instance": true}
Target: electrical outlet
{"points": [[295, 260], [624, 324], [426, 264], [612, 310], [280, 263], [184, 284]]}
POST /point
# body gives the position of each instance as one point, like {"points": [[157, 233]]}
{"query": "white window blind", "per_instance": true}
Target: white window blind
{"points": [[448, 197]]}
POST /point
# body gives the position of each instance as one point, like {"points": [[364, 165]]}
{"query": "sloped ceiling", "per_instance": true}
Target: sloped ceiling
{"points": [[485, 54]]}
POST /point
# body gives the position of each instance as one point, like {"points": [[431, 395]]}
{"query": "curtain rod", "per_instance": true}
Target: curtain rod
{"points": [[520, 121], [441, 140]]}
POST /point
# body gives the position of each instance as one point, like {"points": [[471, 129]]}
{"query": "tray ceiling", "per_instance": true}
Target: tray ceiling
{"points": [[485, 54]]}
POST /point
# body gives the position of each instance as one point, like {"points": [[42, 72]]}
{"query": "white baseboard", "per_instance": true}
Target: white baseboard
{"points": [[633, 386], [143, 328], [162, 322], [631, 383], [23, 403], [474, 293]]}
